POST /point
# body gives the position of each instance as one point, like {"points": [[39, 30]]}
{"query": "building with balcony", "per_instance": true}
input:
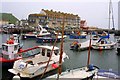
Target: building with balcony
{"points": [[54, 19]]}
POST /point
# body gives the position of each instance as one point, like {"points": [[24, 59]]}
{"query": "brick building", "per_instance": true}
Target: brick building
{"points": [[54, 19]]}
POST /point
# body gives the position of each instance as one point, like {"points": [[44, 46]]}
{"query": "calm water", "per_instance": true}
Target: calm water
{"points": [[106, 59]]}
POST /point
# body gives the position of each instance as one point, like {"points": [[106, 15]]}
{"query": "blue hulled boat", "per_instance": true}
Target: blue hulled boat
{"points": [[78, 35], [47, 39]]}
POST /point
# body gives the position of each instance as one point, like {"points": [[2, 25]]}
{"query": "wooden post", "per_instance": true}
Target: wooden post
{"points": [[61, 52], [88, 61]]}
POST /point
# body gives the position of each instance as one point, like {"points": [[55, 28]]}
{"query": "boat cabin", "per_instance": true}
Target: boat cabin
{"points": [[10, 50], [43, 50]]}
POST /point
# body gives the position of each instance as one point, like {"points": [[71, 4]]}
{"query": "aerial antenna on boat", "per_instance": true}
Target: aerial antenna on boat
{"points": [[61, 51], [88, 60]]}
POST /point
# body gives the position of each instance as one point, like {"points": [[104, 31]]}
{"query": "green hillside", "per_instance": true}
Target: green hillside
{"points": [[8, 17]]}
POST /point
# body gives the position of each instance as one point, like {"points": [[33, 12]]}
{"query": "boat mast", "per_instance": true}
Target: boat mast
{"points": [[111, 14], [88, 60], [61, 52], [112, 17]]}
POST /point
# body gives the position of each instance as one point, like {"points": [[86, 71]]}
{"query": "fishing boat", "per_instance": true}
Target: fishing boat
{"points": [[49, 39], [80, 46], [78, 35], [34, 61], [104, 43], [40, 32], [9, 51]]}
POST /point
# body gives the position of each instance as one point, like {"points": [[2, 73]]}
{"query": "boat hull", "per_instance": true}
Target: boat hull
{"points": [[77, 48], [7, 65], [108, 74], [118, 51], [47, 40], [103, 47], [80, 73], [77, 37], [32, 75], [30, 37]]}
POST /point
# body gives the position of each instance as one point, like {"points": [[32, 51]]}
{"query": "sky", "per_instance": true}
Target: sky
{"points": [[95, 12]]}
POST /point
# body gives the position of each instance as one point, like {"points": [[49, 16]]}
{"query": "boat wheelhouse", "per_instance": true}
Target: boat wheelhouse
{"points": [[9, 52]]}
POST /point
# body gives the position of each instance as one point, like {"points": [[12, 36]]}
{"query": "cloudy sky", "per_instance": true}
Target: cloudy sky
{"points": [[95, 12]]}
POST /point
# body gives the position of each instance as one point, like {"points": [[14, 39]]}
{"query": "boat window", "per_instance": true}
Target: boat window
{"points": [[102, 42], [56, 52], [43, 52], [36, 51], [25, 54], [15, 47], [30, 53], [44, 32], [29, 62], [4, 47], [48, 53]]}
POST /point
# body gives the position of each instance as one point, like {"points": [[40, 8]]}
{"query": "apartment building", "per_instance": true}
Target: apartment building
{"points": [[54, 19]]}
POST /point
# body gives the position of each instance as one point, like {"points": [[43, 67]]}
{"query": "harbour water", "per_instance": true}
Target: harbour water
{"points": [[105, 59]]}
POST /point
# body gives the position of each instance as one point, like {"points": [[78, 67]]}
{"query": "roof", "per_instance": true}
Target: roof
{"points": [[8, 17], [51, 12], [10, 44], [49, 47]]}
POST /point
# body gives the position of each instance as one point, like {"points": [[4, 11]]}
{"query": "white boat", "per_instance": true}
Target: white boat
{"points": [[81, 45], [103, 44], [40, 32], [84, 73], [35, 60]]}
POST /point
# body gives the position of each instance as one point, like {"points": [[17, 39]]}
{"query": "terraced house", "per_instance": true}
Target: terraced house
{"points": [[54, 19]]}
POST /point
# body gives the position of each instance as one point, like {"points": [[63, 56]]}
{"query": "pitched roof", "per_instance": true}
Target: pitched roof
{"points": [[8, 17], [51, 12]]}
